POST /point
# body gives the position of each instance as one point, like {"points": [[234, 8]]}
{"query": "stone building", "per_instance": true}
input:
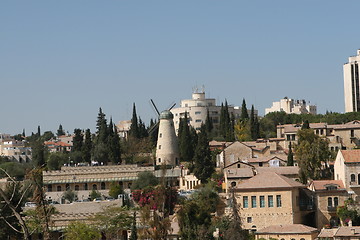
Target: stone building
{"points": [[287, 232], [327, 196], [290, 106], [270, 198]]}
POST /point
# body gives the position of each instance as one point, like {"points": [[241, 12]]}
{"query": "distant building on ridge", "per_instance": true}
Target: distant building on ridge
{"points": [[289, 106], [351, 84]]}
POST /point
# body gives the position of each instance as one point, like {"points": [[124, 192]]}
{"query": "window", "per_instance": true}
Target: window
{"points": [[159, 160], [159, 146], [249, 219], [233, 184], [278, 200], [49, 187], [262, 201], [245, 202], [329, 202], [260, 164], [336, 201], [198, 120], [160, 135], [58, 188], [359, 179], [102, 186], [77, 187], [270, 201], [238, 166], [352, 178], [67, 186], [94, 187], [85, 186], [197, 113], [253, 201], [352, 133]]}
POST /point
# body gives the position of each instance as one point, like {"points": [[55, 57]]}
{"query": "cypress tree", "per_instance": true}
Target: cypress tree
{"points": [[185, 148], [306, 125], [77, 140], [113, 144], [203, 164], [290, 157], [134, 128], [244, 112], [87, 147], [60, 131], [23, 133], [38, 132], [38, 153], [208, 123]]}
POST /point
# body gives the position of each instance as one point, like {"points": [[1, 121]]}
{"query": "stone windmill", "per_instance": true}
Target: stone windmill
{"points": [[167, 149]]}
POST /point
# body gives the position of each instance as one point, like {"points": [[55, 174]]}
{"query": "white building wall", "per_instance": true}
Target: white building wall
{"points": [[351, 104]]}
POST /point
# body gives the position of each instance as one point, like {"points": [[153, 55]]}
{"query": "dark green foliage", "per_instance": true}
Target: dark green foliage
{"points": [[311, 151], [56, 160], [186, 147], [60, 131], [244, 112], [226, 128], [195, 214], [208, 124], [69, 195], [47, 136], [254, 125], [94, 194], [87, 146], [134, 128], [14, 169], [145, 179], [38, 153], [348, 212], [290, 157], [13, 191], [78, 140], [143, 132], [203, 163], [115, 190], [153, 135], [114, 144], [133, 235], [305, 125]]}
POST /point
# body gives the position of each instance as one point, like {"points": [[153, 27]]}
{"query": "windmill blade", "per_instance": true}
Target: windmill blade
{"points": [[152, 102], [153, 127], [172, 106]]}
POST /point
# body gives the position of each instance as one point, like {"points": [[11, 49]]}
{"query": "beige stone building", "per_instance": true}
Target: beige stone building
{"points": [[288, 232], [341, 233], [290, 106], [270, 198], [327, 196], [347, 169], [83, 180], [340, 136]]}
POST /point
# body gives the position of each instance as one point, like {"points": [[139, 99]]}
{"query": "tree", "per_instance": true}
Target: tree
{"points": [[69, 195], [226, 123], [242, 131], [254, 125], [114, 144], [133, 235], [306, 125], [290, 157], [94, 194], [186, 148], [134, 128], [195, 214], [244, 112], [87, 146], [78, 140], [81, 231], [203, 164], [208, 123], [38, 153], [310, 152], [56, 159], [115, 190], [113, 220], [60, 131], [145, 179]]}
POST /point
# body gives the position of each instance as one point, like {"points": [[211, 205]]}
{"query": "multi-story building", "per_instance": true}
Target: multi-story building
{"points": [[14, 149], [269, 198], [197, 109], [327, 196], [347, 169], [123, 128], [351, 84], [289, 106], [340, 136]]}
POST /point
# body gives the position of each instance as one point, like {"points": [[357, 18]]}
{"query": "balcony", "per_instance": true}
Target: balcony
{"points": [[354, 184], [331, 208]]}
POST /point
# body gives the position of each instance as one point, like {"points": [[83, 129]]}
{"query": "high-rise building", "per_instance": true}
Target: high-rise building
{"points": [[351, 84]]}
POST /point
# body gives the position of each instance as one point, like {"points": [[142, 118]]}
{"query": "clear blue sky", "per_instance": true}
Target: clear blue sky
{"points": [[62, 60]]}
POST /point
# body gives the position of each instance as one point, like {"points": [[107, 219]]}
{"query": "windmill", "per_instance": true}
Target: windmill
{"points": [[167, 149]]}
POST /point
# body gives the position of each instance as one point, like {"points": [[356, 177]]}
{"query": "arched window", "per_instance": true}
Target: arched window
{"points": [[102, 186], [77, 187], [352, 178], [336, 201], [85, 186], [67, 186], [329, 202], [233, 184], [58, 188], [94, 187], [49, 187], [359, 179]]}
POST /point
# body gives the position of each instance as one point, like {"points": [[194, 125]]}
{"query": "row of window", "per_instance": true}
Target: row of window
{"points": [[77, 187], [262, 202], [353, 179]]}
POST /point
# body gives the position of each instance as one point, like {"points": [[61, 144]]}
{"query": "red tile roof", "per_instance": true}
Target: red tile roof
{"points": [[351, 156]]}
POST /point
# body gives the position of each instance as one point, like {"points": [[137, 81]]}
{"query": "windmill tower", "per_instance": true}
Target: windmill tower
{"points": [[167, 149]]}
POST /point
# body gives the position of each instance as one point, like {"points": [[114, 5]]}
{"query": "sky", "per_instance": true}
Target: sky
{"points": [[60, 61]]}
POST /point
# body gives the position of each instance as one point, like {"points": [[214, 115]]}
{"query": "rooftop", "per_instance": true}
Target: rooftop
{"points": [[287, 229]]}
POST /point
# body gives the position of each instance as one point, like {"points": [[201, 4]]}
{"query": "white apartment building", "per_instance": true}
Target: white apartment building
{"points": [[197, 109], [351, 84], [289, 106]]}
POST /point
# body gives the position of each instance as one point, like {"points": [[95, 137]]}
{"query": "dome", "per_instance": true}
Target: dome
{"points": [[166, 115]]}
